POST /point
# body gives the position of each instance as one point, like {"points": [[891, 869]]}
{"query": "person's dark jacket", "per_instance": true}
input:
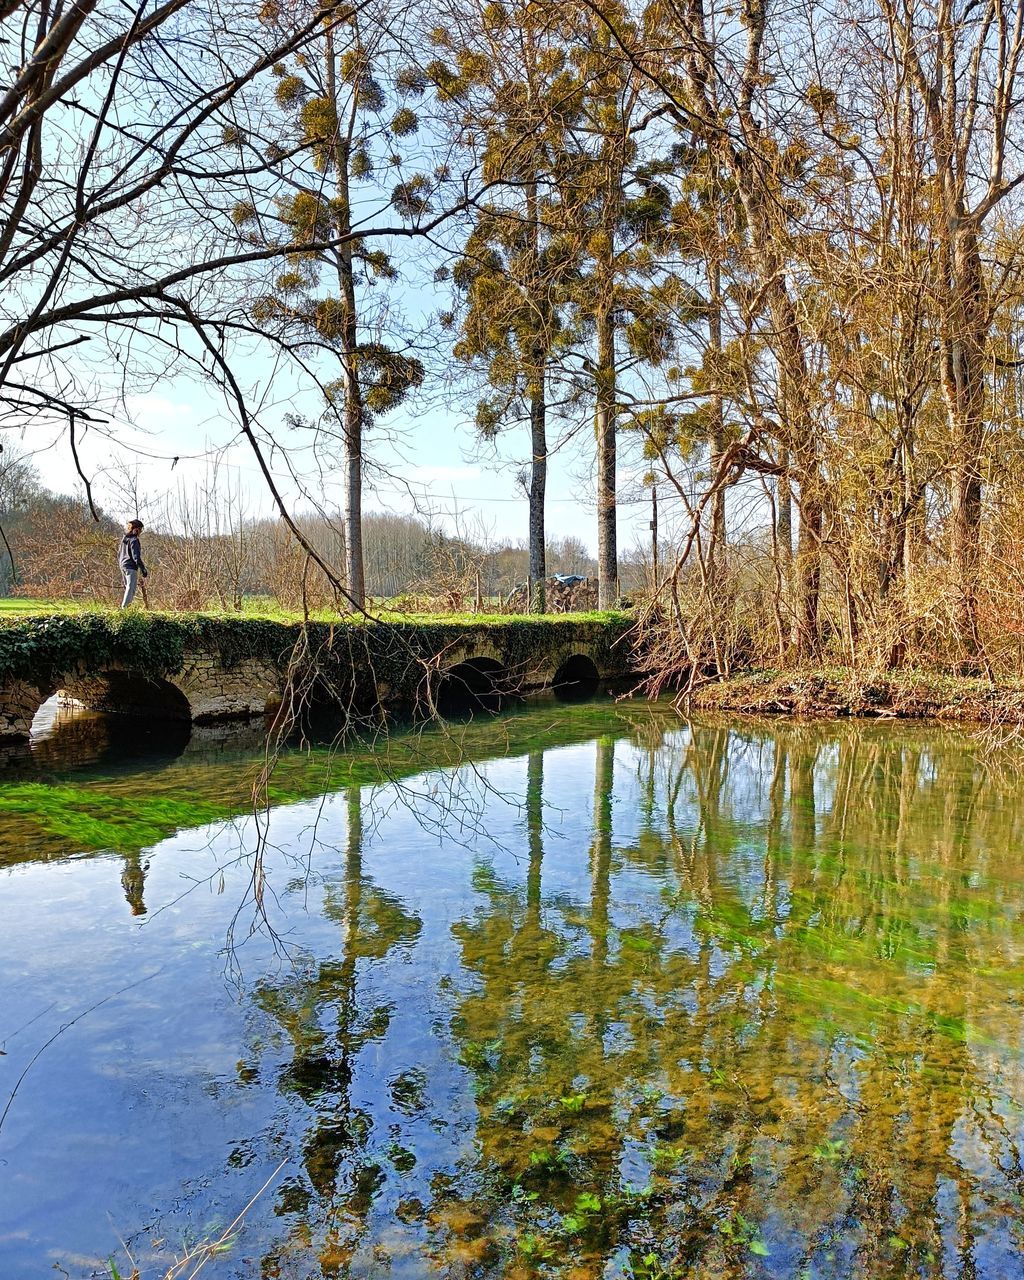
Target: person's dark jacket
{"points": [[131, 553]]}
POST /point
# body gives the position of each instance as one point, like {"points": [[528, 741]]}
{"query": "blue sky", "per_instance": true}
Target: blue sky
{"points": [[431, 462]]}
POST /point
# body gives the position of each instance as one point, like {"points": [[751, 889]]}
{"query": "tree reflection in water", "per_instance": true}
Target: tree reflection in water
{"points": [[766, 1021], [329, 1024]]}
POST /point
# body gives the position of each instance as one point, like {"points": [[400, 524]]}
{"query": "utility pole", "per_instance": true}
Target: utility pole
{"points": [[654, 532]]}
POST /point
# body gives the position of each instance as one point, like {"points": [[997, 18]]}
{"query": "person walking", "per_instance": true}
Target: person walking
{"points": [[130, 560]]}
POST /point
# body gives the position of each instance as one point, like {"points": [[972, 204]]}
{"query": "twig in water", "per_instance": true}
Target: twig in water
{"points": [[60, 1031]]}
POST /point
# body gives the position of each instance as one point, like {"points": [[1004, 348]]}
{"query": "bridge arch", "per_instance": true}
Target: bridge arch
{"points": [[62, 733], [126, 693], [474, 684], [576, 678], [19, 702], [118, 691]]}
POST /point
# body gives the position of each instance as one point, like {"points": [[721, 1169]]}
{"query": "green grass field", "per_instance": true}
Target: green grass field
{"points": [[17, 607]]}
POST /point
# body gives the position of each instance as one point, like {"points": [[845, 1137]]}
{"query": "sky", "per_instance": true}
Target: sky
{"points": [[168, 431], [428, 463]]}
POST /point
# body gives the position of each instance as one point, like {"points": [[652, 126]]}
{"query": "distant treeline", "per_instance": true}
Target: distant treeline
{"points": [[204, 551]]}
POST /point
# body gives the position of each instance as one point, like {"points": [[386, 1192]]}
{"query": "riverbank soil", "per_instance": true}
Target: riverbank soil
{"points": [[837, 692]]}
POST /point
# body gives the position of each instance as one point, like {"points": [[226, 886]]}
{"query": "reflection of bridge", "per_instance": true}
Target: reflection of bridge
{"points": [[207, 669]]}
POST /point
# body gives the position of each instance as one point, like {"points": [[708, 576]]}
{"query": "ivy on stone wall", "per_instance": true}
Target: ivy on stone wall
{"points": [[393, 654]]}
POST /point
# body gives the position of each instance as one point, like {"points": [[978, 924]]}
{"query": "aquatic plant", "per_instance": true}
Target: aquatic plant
{"points": [[573, 1102], [648, 1266], [743, 1232]]}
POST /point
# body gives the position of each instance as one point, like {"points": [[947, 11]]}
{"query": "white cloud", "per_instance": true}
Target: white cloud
{"points": [[153, 412]]}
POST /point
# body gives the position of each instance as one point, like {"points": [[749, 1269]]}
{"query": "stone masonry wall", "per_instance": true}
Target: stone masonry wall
{"points": [[208, 669], [250, 688], [19, 701]]}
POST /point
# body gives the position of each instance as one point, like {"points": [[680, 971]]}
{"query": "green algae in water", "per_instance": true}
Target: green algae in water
{"points": [[687, 1001], [92, 820], [127, 809]]}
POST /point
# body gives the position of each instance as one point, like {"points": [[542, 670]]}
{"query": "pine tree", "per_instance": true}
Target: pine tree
{"points": [[624, 299], [509, 89], [339, 131]]}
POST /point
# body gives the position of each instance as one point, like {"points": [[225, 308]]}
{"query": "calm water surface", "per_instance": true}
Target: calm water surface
{"points": [[580, 992]]}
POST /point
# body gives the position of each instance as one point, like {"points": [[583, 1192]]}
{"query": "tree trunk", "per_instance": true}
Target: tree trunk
{"points": [[716, 557], [756, 188], [964, 391], [352, 409], [538, 352], [808, 569], [354, 576], [538, 486], [799, 428], [604, 426], [353, 433], [894, 570], [784, 522], [965, 524]]}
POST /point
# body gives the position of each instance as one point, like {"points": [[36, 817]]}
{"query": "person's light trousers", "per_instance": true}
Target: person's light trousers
{"points": [[131, 581]]}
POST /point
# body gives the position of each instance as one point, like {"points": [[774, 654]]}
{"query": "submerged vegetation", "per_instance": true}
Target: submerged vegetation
{"points": [[56, 811], [713, 1000]]}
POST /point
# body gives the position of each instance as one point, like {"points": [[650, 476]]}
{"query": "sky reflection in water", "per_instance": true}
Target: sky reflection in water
{"points": [[677, 1000]]}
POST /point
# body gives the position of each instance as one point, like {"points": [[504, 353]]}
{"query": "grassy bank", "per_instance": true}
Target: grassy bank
{"points": [[837, 692]]}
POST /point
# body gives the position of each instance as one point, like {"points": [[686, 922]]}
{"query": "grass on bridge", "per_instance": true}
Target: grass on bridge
{"points": [[383, 650], [16, 608]]}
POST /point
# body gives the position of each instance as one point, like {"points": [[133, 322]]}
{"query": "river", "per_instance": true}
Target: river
{"points": [[579, 991]]}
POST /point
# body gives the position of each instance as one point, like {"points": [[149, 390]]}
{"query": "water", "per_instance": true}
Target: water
{"points": [[577, 992]]}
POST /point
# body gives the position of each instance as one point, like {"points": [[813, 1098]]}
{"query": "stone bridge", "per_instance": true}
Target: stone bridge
{"points": [[204, 668]]}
